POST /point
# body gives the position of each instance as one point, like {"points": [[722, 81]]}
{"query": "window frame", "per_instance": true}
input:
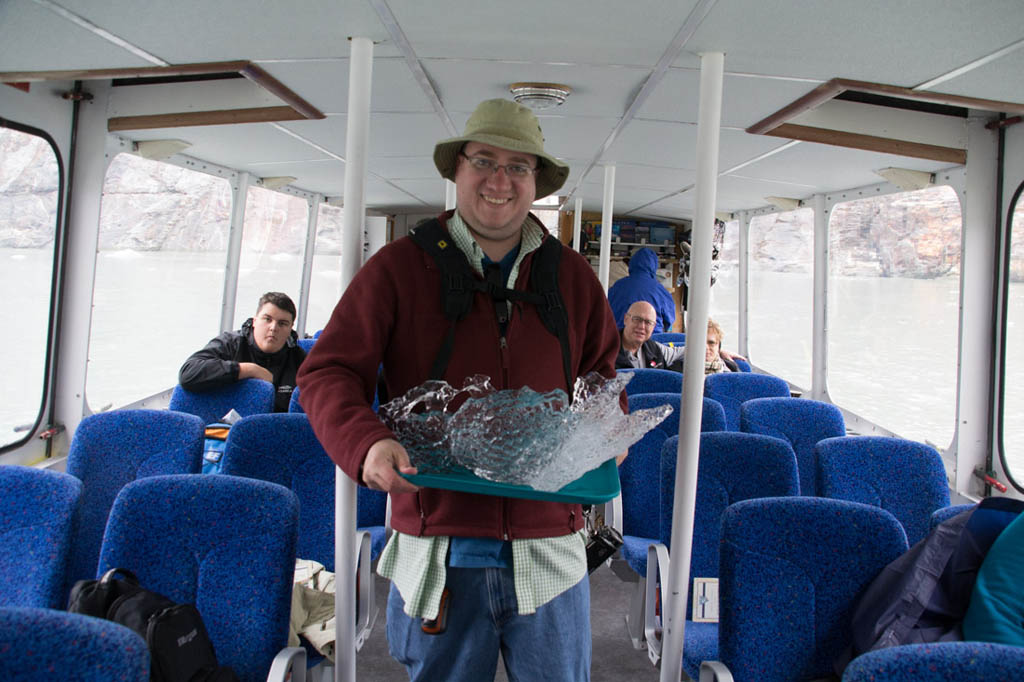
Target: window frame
{"points": [[57, 276], [1004, 303]]}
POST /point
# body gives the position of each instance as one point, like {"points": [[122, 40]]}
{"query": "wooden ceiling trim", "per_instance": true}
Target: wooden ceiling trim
{"points": [[871, 143], [297, 108], [203, 118], [133, 72]]}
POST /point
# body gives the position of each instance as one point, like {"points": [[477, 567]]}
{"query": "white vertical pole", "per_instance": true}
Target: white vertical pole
{"points": [[673, 595], [83, 217], [744, 285], [577, 223], [449, 195], [978, 243], [239, 195], [819, 342], [357, 139], [313, 206], [606, 226]]}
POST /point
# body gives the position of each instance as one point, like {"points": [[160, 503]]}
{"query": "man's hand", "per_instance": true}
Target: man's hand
{"points": [[250, 370], [726, 355], [384, 460], [619, 458]]}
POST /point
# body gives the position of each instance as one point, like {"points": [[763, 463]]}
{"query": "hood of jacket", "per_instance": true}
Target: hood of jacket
{"points": [[643, 262]]}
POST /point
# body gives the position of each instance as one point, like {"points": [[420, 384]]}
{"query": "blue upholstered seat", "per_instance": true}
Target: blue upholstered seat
{"points": [[940, 515], [295, 406], [791, 569], [904, 477], [223, 543], [677, 338], [307, 344], [44, 644], [742, 364], [248, 396], [733, 467], [712, 416], [110, 450], [37, 507], [732, 389], [939, 662], [638, 474], [802, 422], [650, 380], [282, 449]]}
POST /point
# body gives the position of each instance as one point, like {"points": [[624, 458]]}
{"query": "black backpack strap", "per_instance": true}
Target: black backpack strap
{"points": [[544, 282], [457, 284]]}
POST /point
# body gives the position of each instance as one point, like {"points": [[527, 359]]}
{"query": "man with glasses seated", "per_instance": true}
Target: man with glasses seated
{"points": [[637, 350]]}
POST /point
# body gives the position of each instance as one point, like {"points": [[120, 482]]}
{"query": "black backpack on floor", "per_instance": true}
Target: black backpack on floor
{"points": [[179, 646]]}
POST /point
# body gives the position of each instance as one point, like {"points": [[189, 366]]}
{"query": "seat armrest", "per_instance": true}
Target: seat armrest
{"points": [[288, 660], [714, 671], [613, 513], [658, 564], [366, 614]]}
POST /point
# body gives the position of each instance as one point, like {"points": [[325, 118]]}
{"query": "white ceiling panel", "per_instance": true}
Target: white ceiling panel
{"points": [[652, 177], [235, 146], [390, 134], [326, 176], [201, 31], [29, 34], [324, 84], [574, 31], [862, 40], [828, 168], [575, 138], [404, 166], [745, 99], [1002, 80], [428, 192], [677, 143]]}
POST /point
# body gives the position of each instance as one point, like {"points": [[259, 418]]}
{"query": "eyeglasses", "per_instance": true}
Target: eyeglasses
{"points": [[512, 170], [642, 320]]}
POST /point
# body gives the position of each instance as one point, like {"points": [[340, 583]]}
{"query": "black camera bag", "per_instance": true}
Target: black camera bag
{"points": [[179, 646]]}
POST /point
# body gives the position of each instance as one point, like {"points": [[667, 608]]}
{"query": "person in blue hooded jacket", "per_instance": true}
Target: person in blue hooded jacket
{"points": [[642, 285]]}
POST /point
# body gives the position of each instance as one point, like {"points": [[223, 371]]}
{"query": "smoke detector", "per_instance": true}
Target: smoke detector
{"points": [[539, 95]]}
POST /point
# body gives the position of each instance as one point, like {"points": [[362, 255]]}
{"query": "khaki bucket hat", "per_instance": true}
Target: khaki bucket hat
{"points": [[505, 124]]}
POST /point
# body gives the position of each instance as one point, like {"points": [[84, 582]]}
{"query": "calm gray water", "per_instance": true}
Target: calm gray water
{"points": [[892, 342]]}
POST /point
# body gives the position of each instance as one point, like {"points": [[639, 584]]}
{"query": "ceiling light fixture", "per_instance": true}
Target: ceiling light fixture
{"points": [[784, 203], [277, 181], [907, 179], [539, 95], [160, 149]]}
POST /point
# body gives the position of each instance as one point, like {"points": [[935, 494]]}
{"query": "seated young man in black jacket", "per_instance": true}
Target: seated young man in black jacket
{"points": [[265, 348]]}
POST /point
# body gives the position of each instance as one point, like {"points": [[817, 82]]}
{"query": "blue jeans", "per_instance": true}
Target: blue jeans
{"points": [[551, 644]]}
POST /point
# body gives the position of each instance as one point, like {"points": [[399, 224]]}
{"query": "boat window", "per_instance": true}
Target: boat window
{"points": [[30, 178], [894, 283], [160, 263], [725, 291], [273, 242], [781, 294], [1013, 371], [325, 284]]}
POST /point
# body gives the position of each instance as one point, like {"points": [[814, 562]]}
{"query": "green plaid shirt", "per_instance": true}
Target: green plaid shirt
{"points": [[543, 568]]}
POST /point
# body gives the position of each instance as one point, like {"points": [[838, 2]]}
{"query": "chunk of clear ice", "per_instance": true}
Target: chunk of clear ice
{"points": [[517, 436]]}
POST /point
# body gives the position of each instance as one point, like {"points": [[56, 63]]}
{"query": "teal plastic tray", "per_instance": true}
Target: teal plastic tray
{"points": [[593, 487]]}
